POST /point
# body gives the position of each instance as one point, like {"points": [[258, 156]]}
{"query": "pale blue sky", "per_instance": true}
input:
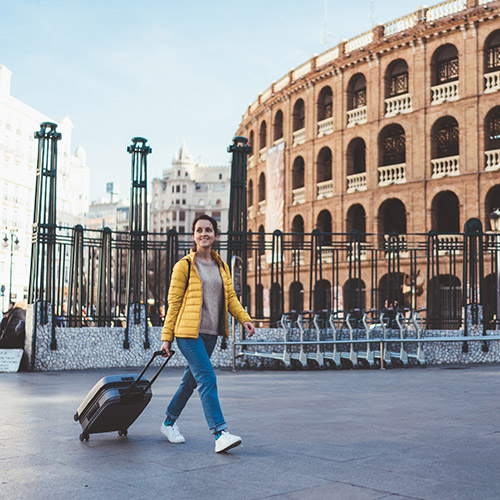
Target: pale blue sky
{"points": [[164, 70]]}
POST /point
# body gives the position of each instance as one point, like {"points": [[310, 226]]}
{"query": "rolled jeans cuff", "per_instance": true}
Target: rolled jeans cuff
{"points": [[219, 428]]}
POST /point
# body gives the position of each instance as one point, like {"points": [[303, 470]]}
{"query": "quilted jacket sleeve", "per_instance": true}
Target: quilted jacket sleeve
{"points": [[175, 298], [235, 308]]}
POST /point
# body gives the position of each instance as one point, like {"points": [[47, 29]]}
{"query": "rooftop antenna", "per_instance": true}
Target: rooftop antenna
{"points": [[326, 33], [371, 14]]}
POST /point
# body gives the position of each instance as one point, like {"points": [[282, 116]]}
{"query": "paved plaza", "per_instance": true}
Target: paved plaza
{"points": [[419, 433]]}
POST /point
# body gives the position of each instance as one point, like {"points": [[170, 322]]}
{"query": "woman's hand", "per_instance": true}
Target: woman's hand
{"points": [[249, 328], [166, 345]]}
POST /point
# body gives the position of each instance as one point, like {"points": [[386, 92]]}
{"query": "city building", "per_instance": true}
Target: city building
{"points": [[186, 190], [18, 157], [395, 130], [112, 212]]}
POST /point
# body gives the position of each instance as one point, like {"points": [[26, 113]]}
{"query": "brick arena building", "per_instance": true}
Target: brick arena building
{"points": [[397, 129]]}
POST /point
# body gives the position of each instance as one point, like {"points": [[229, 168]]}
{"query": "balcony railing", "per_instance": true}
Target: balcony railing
{"points": [[325, 127], [445, 9], [442, 167], [262, 207], [449, 243], [298, 196], [392, 174], [325, 189], [356, 116], [299, 137], [356, 182], [492, 82], [444, 92], [263, 154], [492, 160], [398, 104]]}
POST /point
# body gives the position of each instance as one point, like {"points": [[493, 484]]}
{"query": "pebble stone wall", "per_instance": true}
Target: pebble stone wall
{"points": [[101, 347]]}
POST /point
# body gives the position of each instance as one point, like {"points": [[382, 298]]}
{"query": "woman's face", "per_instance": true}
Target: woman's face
{"points": [[204, 234]]}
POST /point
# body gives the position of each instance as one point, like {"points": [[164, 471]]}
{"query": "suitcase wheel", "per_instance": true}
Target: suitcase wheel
{"points": [[75, 417], [123, 433], [84, 437]]}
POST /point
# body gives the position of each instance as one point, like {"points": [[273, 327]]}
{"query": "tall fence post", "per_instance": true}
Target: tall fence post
{"points": [[137, 281], [41, 290], [237, 227], [473, 279]]}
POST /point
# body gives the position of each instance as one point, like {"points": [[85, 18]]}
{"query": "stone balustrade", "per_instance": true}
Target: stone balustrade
{"points": [[250, 264], [263, 154], [401, 24], [326, 256], [442, 167], [356, 182], [250, 213], [327, 57], [325, 189], [492, 160], [356, 116], [301, 70], [262, 207], [444, 92], [398, 105], [298, 196], [359, 41], [301, 260], [449, 243], [299, 137], [445, 9], [251, 162], [278, 141], [325, 127], [392, 174], [492, 82]]}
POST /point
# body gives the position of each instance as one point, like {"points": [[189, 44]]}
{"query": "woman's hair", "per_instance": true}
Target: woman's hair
{"points": [[209, 219]]}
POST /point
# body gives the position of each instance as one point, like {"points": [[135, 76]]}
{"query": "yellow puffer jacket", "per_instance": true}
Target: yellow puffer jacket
{"points": [[184, 309]]}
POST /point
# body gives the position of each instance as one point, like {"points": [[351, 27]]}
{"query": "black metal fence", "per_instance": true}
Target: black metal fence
{"points": [[443, 274]]}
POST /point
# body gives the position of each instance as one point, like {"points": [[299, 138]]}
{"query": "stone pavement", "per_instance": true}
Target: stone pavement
{"points": [[431, 433]]}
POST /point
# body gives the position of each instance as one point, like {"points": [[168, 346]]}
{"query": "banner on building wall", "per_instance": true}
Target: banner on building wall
{"points": [[275, 188], [275, 194]]}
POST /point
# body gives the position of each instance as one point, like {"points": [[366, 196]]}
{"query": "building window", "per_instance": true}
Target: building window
{"points": [[216, 215], [278, 125], [262, 187], [325, 104], [493, 129], [184, 188], [173, 189], [299, 115], [448, 70], [182, 229], [492, 52], [182, 215], [183, 201], [174, 216], [393, 145], [357, 92], [262, 135], [399, 85], [178, 173], [250, 193], [298, 173], [220, 177], [177, 189], [446, 138]]}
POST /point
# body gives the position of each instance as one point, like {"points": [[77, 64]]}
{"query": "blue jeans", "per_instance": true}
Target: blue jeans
{"points": [[199, 373]]}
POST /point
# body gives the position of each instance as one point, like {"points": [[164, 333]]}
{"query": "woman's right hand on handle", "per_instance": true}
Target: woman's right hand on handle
{"points": [[166, 345]]}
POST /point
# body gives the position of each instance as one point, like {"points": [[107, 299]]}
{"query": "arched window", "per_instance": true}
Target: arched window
{"points": [[356, 220], [392, 217], [298, 231], [259, 301], [356, 92], [492, 129], [445, 138], [445, 213], [250, 193], [262, 187], [356, 156], [298, 173], [322, 295], [354, 294], [278, 125], [444, 300], [251, 141], [324, 165], [392, 146], [491, 202], [390, 293], [492, 53], [396, 78], [324, 225], [296, 296], [445, 65], [299, 115], [263, 135], [261, 240], [325, 103]]}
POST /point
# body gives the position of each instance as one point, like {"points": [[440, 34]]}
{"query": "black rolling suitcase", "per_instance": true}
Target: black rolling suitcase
{"points": [[115, 402]]}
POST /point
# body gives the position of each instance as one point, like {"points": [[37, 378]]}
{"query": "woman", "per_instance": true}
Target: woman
{"points": [[201, 294]]}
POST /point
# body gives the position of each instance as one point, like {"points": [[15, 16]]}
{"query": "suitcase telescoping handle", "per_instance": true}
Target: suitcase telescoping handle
{"points": [[155, 354]]}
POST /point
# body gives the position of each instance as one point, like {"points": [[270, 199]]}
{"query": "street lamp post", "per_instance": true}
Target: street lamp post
{"points": [[14, 241], [495, 227]]}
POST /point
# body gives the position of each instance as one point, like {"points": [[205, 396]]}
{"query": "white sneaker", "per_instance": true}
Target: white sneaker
{"points": [[226, 441], [172, 433]]}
